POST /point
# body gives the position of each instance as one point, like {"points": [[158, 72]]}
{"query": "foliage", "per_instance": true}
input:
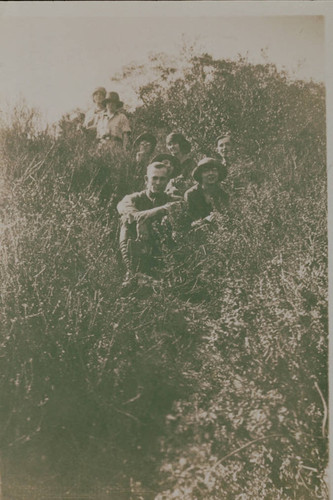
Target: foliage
{"points": [[213, 383]]}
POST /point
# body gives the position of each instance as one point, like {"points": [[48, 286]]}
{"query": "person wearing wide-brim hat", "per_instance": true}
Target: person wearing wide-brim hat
{"points": [[115, 128], [172, 163], [207, 195], [180, 147], [94, 114], [145, 144]]}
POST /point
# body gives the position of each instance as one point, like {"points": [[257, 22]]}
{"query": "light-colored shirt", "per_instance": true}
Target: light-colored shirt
{"points": [[92, 117], [113, 125]]}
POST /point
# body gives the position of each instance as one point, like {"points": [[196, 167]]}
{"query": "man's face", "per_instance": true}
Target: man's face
{"points": [[174, 148], [145, 147], [224, 147], [98, 98], [157, 179], [210, 177]]}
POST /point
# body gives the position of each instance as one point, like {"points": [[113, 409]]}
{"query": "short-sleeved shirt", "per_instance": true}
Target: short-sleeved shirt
{"points": [[198, 206], [113, 126]]}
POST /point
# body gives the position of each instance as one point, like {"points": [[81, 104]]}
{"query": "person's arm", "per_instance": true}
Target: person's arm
{"points": [[89, 120], [129, 213], [127, 208]]}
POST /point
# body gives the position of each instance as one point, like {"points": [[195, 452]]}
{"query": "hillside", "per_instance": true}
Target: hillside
{"points": [[213, 384]]}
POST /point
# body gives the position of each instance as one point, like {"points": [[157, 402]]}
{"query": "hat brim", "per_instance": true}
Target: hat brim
{"points": [[119, 103], [146, 137], [197, 172], [175, 163]]}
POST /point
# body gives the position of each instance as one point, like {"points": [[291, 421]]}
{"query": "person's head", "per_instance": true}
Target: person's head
{"points": [[171, 162], [157, 177], [209, 172], [112, 102], [145, 143], [177, 144], [99, 95], [223, 146]]}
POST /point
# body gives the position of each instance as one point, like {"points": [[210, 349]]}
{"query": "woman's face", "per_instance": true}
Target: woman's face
{"points": [[145, 147], [98, 98], [174, 148], [210, 177]]}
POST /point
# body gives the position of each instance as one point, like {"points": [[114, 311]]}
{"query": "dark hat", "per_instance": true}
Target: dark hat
{"points": [[206, 164], [146, 136], [113, 97], [173, 161], [178, 138], [99, 89], [155, 164]]}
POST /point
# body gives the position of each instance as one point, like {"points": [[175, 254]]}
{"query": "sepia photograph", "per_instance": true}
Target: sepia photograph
{"points": [[164, 250]]}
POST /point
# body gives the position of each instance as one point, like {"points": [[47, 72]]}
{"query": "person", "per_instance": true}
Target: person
{"points": [[145, 144], [139, 211], [114, 127], [207, 195], [180, 147], [172, 163], [94, 115], [238, 169], [223, 148]]}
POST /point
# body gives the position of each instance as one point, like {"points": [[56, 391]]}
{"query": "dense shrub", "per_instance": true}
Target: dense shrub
{"points": [[210, 384]]}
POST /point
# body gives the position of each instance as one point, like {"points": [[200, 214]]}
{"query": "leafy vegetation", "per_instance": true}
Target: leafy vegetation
{"points": [[211, 385]]}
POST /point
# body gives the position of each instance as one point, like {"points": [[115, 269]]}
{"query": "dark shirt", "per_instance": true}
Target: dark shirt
{"points": [[198, 206], [184, 181]]}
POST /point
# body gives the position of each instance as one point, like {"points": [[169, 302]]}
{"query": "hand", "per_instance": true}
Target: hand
{"points": [[210, 218]]}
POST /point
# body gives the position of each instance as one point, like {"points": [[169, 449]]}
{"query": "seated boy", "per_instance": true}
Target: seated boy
{"points": [[138, 211]]}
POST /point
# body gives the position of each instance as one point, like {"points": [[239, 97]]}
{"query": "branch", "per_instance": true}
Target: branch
{"points": [[245, 446], [323, 426]]}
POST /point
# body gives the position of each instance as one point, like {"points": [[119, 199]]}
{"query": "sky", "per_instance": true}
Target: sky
{"points": [[55, 62]]}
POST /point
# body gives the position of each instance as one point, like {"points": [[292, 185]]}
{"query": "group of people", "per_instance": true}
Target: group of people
{"points": [[171, 179]]}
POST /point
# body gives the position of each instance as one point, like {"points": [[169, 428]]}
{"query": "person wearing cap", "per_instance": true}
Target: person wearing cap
{"points": [[145, 145], [94, 114], [207, 195], [180, 147], [114, 128], [172, 163], [138, 211]]}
